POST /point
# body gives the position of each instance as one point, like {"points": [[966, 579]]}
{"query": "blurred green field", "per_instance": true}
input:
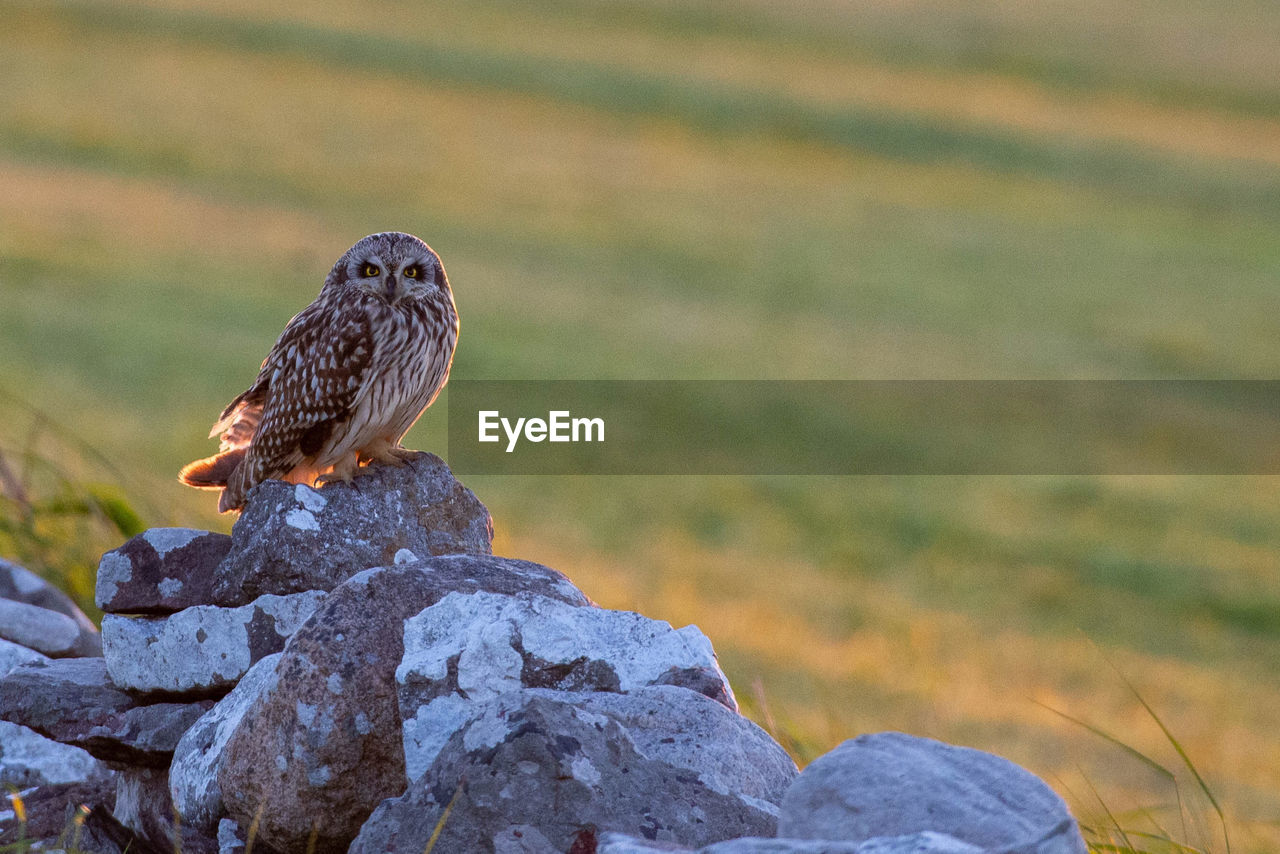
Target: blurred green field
{"points": [[704, 189]]}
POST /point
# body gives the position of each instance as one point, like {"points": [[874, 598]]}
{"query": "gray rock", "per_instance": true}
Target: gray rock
{"points": [[13, 655], [142, 802], [22, 585], [724, 751], [729, 753], [231, 839], [469, 648], [569, 773], [522, 839], [48, 632], [143, 806], [917, 843], [193, 775], [72, 701], [623, 843], [926, 842], [891, 784], [203, 649], [325, 744], [29, 759], [292, 538], [160, 571]]}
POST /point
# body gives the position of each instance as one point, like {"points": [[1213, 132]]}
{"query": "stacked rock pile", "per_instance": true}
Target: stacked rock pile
{"points": [[353, 670], [41, 626]]}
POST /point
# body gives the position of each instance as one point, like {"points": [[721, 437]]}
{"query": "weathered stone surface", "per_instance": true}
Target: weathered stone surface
{"points": [[142, 806], [469, 648], [142, 802], [72, 701], [522, 839], [729, 753], [193, 775], [203, 649], [891, 784], [22, 585], [570, 773], [29, 759], [293, 538], [48, 632], [916, 843], [926, 842], [13, 655], [230, 838], [622, 843], [160, 571], [325, 744]]}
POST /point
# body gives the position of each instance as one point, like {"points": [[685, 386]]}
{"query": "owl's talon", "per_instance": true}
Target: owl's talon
{"points": [[387, 454]]}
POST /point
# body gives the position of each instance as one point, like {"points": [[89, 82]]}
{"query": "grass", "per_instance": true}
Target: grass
{"points": [[711, 190]]}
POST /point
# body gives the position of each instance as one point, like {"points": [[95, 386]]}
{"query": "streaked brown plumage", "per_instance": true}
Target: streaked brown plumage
{"points": [[346, 379]]}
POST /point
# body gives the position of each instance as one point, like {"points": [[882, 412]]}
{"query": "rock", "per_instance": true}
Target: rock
{"points": [[729, 753], [72, 701], [572, 774], [160, 571], [49, 810], [48, 632], [204, 649], [469, 648], [193, 775], [14, 655], [622, 843], [325, 744], [29, 759], [102, 833], [916, 843], [926, 842], [22, 585], [142, 803], [891, 784], [293, 538], [230, 839], [522, 839]]}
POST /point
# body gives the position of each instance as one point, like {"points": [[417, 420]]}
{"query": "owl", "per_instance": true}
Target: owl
{"points": [[346, 379]]}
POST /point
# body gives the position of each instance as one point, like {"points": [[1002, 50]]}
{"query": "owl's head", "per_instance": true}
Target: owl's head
{"points": [[391, 266]]}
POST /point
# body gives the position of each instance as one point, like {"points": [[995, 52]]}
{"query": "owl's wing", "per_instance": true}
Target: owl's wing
{"points": [[310, 382], [239, 421]]}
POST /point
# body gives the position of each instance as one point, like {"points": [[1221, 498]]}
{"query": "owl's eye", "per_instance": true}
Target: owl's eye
{"points": [[370, 270], [412, 271]]}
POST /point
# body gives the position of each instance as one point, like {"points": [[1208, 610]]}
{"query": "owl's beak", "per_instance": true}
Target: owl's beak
{"points": [[392, 287]]}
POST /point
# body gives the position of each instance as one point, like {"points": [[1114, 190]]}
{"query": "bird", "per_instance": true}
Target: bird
{"points": [[346, 379]]}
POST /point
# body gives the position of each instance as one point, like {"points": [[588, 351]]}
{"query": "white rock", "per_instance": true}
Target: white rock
{"points": [[200, 648], [479, 646]]}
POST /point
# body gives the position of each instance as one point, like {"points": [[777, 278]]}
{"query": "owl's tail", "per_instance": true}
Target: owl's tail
{"points": [[212, 472]]}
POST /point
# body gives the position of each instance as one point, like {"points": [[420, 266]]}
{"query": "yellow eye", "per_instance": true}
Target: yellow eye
{"points": [[370, 270], [411, 272]]}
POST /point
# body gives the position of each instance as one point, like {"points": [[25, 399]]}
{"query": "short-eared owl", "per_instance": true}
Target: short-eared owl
{"points": [[346, 379]]}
